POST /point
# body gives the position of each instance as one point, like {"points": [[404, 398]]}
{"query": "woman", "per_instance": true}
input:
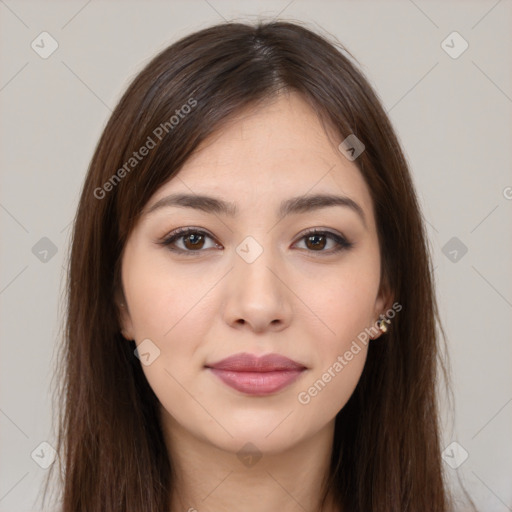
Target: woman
{"points": [[251, 314]]}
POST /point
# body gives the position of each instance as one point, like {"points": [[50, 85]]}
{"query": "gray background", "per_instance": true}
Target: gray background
{"points": [[453, 116]]}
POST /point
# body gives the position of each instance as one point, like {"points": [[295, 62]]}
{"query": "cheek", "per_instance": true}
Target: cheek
{"points": [[167, 312], [173, 314], [342, 303], [342, 306], [328, 391], [341, 346], [161, 299]]}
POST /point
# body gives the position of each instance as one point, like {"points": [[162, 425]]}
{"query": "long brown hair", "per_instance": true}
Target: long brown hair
{"points": [[387, 453]]}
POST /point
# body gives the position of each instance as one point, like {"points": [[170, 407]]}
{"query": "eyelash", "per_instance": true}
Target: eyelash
{"points": [[342, 242]]}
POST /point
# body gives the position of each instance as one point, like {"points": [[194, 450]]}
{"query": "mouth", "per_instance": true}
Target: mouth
{"points": [[255, 375]]}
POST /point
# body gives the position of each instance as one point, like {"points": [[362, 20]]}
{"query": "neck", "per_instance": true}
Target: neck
{"points": [[207, 478]]}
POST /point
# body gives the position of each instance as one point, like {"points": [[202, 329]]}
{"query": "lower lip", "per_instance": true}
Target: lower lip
{"points": [[257, 383]]}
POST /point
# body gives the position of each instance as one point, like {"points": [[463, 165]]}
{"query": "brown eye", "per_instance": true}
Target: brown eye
{"points": [[316, 242], [189, 241], [193, 241]]}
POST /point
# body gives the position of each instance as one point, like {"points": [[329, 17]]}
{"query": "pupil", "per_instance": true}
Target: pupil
{"points": [[194, 239], [315, 244]]}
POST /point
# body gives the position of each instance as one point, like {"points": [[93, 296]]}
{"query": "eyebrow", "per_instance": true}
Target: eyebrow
{"points": [[294, 205]]}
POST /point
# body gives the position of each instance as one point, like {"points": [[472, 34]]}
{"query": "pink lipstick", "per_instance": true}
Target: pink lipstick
{"points": [[255, 375]]}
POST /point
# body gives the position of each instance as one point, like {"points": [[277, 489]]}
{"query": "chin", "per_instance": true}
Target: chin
{"points": [[270, 433]]}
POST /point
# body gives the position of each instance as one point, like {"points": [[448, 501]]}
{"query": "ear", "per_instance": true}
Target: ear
{"points": [[383, 302], [125, 321]]}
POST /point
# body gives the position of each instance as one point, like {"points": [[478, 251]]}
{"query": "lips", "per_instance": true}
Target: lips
{"points": [[255, 375], [249, 363]]}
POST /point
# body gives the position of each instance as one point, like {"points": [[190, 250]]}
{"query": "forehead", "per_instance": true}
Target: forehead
{"points": [[277, 150]]}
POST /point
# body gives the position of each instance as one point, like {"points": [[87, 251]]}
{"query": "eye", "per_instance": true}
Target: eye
{"points": [[316, 240], [193, 240]]}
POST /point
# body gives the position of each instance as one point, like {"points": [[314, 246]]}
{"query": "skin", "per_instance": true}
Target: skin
{"points": [[294, 300]]}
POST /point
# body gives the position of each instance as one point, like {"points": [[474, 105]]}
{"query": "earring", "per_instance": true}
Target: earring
{"points": [[381, 323]]}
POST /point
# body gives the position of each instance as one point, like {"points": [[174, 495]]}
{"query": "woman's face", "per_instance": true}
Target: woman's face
{"points": [[254, 281]]}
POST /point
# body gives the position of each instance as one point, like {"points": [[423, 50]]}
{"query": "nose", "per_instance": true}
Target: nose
{"points": [[257, 295]]}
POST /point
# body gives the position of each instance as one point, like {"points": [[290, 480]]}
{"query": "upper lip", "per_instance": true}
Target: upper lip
{"points": [[244, 362]]}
